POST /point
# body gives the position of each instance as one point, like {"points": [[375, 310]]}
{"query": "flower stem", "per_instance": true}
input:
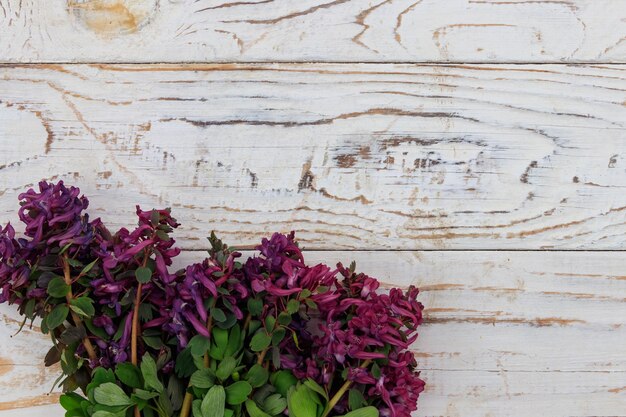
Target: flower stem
{"points": [[209, 326], [134, 333], [77, 321], [340, 393], [184, 411], [262, 356], [135, 327]]}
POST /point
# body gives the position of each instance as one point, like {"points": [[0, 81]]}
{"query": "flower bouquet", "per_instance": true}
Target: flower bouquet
{"points": [[226, 337]]}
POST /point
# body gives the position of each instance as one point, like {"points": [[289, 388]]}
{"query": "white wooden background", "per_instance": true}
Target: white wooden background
{"points": [[476, 148]]}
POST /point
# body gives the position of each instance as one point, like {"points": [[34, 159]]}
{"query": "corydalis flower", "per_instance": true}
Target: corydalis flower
{"points": [[358, 326], [13, 274], [55, 215], [126, 251], [399, 386], [280, 270], [215, 285]]}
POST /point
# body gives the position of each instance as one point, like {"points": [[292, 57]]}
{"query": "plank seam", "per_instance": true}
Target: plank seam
{"points": [[217, 62]]}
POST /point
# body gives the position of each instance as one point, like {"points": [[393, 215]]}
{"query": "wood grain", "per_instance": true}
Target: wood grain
{"points": [[313, 30], [507, 333], [350, 156]]}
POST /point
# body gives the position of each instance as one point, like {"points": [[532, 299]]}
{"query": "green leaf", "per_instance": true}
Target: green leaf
{"points": [[238, 392], [214, 402], [88, 268], [275, 404], [111, 395], [284, 318], [260, 341], [145, 395], [278, 336], [270, 322], [375, 370], [57, 316], [195, 408], [176, 391], [58, 288], [65, 248], [220, 343], [202, 378], [149, 372], [257, 376], [199, 345], [234, 341], [105, 413], [282, 381], [83, 306], [53, 356], [165, 404], [293, 306], [143, 274], [301, 402], [254, 410], [99, 377], [74, 262], [69, 361], [355, 399], [226, 368], [72, 334], [155, 217], [184, 363], [128, 374], [362, 412], [316, 387], [120, 330], [71, 401], [153, 341], [218, 315], [255, 306]]}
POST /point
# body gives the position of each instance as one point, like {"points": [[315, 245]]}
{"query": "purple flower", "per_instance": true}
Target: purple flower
{"points": [[54, 215]]}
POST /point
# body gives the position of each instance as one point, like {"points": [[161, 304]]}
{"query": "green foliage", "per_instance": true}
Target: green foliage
{"points": [[143, 274], [238, 392], [214, 402], [57, 316], [304, 402], [129, 374], [111, 395], [363, 412], [58, 288], [83, 306], [260, 341], [149, 373], [257, 376]]}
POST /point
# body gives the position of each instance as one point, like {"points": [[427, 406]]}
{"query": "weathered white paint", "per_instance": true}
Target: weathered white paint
{"points": [[350, 156], [507, 333], [313, 30]]}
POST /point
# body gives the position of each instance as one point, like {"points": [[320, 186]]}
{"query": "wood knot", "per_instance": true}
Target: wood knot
{"points": [[113, 17]]}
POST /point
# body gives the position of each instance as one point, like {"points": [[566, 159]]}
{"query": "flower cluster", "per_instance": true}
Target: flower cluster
{"points": [[350, 328], [268, 336]]}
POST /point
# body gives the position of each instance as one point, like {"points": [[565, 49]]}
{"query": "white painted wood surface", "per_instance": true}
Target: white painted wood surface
{"points": [[350, 156], [507, 333], [497, 188], [313, 30]]}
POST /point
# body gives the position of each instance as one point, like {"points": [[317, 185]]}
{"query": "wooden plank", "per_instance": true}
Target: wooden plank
{"points": [[313, 30], [350, 156], [507, 333]]}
